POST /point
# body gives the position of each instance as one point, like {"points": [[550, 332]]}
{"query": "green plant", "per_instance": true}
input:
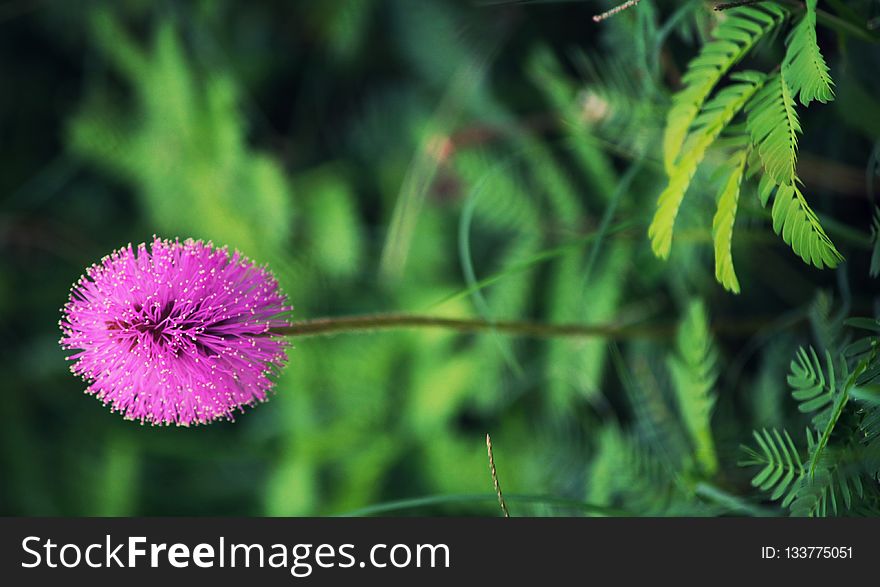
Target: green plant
{"points": [[766, 145], [422, 164], [840, 468]]}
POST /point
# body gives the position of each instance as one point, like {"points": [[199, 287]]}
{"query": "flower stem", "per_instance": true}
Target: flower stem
{"points": [[373, 322]]}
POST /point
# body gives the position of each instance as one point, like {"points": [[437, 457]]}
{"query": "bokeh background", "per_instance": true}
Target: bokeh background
{"points": [[458, 158]]}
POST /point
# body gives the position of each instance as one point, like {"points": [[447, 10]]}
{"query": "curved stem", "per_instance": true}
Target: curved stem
{"points": [[733, 503], [373, 322]]}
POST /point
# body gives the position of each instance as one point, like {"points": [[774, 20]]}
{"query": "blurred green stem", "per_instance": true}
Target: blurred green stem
{"points": [[372, 322], [733, 503], [399, 321], [468, 499]]}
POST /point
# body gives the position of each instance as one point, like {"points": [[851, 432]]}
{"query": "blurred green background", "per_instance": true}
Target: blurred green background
{"points": [[388, 155]]}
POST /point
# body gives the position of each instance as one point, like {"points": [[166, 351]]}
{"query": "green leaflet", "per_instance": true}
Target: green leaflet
{"points": [[734, 36], [722, 223], [782, 468], [835, 487], [804, 66], [716, 115], [694, 372], [774, 127], [809, 387], [766, 187], [799, 227]]}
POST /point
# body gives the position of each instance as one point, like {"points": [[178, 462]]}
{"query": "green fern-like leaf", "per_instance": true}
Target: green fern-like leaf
{"points": [[734, 36], [804, 66], [869, 423], [838, 484], [781, 466], [694, 372], [809, 385], [774, 127], [799, 227], [827, 492], [766, 186], [716, 115], [826, 317], [722, 224], [624, 472]]}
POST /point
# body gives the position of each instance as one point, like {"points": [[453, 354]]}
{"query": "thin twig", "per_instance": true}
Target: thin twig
{"points": [[495, 478], [615, 10]]}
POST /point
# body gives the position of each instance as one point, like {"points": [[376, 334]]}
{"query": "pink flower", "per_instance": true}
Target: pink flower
{"points": [[177, 334]]}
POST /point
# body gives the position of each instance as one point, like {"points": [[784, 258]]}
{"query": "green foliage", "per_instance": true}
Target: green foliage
{"points": [[795, 221], [334, 234], [804, 66], [185, 145], [734, 37], [506, 168], [722, 223], [716, 115], [652, 468], [839, 475], [773, 127], [837, 487], [809, 385], [694, 373], [624, 474], [782, 469]]}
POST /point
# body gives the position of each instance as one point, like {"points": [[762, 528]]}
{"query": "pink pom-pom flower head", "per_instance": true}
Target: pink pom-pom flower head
{"points": [[178, 334]]}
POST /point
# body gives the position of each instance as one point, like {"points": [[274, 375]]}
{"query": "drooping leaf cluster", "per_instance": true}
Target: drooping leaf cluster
{"points": [[765, 146]]}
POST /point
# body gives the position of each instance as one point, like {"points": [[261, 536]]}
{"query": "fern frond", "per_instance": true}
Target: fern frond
{"points": [[799, 227], [838, 484], [694, 372], [773, 124], [809, 387], [722, 223], [804, 66], [734, 37], [867, 350], [782, 469], [864, 345], [774, 127], [623, 472], [716, 115], [655, 422], [827, 317], [828, 492], [869, 424]]}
